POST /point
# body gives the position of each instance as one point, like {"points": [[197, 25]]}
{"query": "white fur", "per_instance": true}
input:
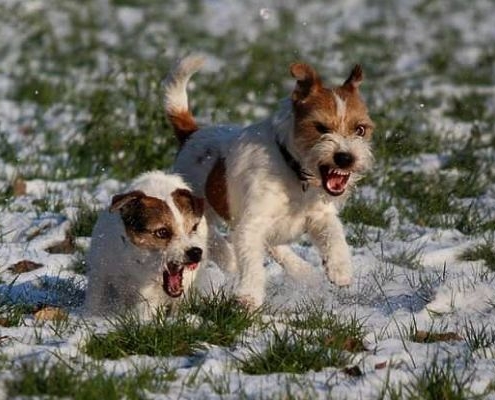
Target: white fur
{"points": [[175, 85], [341, 106], [267, 205], [124, 276]]}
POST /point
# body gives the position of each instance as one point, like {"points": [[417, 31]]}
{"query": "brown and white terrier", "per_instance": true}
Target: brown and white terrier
{"points": [[147, 247], [277, 179]]}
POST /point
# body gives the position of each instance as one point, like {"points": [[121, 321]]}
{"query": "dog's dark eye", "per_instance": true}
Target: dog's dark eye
{"points": [[360, 130], [321, 128], [162, 233], [195, 227]]}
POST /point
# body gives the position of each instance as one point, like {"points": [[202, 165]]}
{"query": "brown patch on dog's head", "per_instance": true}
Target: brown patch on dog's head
{"points": [[355, 78], [319, 110], [216, 189], [308, 81], [191, 208], [148, 221]]}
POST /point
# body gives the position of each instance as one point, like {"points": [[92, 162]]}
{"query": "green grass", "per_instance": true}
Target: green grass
{"points": [[224, 318], [159, 337], [293, 353], [479, 337], [12, 313], [312, 340], [84, 222], [313, 316], [409, 257], [222, 321], [61, 380], [361, 211], [440, 381], [484, 251], [469, 108]]}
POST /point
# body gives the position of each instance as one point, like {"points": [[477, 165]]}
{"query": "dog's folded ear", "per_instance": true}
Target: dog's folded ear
{"points": [[308, 81], [121, 200], [355, 78], [187, 203]]}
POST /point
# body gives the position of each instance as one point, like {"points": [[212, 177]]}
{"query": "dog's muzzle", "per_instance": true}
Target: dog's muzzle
{"points": [[172, 276]]}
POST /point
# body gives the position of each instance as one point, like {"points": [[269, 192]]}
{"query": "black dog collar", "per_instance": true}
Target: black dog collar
{"points": [[295, 166]]}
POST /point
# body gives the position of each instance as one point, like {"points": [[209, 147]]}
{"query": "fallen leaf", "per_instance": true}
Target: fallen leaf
{"points": [[67, 246], [50, 314], [381, 365], [24, 266], [431, 337], [349, 344], [353, 371], [4, 322], [19, 187]]}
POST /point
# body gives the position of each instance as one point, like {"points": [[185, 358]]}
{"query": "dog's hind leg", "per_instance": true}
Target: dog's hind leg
{"points": [[293, 264], [248, 239]]}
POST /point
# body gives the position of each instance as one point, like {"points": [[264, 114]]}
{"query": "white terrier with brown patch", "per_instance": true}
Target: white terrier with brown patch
{"points": [[147, 247], [277, 179]]}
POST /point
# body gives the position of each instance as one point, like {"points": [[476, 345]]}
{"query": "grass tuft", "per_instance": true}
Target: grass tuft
{"points": [[84, 222], [437, 381], [60, 380], [161, 336], [483, 251], [225, 318], [313, 339], [221, 322], [479, 337]]}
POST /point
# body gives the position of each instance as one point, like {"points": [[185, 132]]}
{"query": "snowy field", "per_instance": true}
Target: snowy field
{"points": [[80, 115]]}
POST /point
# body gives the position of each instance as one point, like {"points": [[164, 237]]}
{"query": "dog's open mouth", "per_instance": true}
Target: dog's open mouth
{"points": [[334, 181], [172, 281], [172, 278]]}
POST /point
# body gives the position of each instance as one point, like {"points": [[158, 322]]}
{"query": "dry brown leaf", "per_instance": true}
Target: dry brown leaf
{"points": [[353, 371], [431, 337], [50, 314], [19, 187], [349, 344], [24, 266], [381, 365], [67, 246], [4, 322]]}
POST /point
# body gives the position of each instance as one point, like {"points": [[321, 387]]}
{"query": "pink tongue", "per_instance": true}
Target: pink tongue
{"points": [[336, 183], [192, 266], [175, 282]]}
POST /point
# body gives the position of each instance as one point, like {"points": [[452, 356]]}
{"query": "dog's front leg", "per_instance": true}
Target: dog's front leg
{"points": [[327, 233], [293, 264], [248, 239]]}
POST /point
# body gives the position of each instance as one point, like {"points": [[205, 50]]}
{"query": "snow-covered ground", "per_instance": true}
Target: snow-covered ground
{"points": [[426, 61]]}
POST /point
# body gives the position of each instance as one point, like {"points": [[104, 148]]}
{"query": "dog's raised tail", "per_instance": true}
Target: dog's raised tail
{"points": [[175, 100]]}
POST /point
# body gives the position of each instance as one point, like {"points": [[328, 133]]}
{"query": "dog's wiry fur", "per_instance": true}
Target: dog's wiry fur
{"points": [[277, 179], [146, 248]]}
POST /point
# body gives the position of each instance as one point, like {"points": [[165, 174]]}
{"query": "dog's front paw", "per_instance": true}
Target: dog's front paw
{"points": [[339, 278], [249, 299]]}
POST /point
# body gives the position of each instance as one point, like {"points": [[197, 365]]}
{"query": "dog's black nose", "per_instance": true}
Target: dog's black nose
{"points": [[194, 254], [343, 160]]}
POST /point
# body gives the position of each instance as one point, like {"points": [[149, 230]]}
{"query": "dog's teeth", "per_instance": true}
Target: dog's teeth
{"points": [[341, 173]]}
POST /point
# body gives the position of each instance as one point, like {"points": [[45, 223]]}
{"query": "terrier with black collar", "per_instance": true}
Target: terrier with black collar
{"points": [[277, 179]]}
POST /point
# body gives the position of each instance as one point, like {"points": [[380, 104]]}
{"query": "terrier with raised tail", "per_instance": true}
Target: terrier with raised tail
{"points": [[276, 179]]}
